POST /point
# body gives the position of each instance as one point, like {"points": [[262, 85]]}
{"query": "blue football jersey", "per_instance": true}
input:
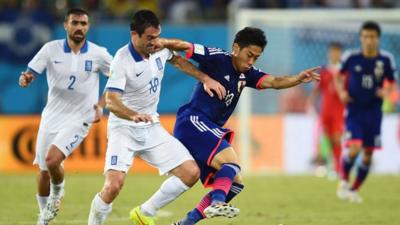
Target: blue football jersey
{"points": [[217, 63], [364, 76]]}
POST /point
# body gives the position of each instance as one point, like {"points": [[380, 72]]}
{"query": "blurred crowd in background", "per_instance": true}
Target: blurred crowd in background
{"points": [[173, 11], [25, 25]]}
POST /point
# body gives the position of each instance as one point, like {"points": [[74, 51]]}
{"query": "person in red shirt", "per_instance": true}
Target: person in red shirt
{"points": [[331, 108]]}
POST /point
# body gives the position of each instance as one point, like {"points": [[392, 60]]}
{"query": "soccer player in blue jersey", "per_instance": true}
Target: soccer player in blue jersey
{"points": [[199, 124], [361, 88]]}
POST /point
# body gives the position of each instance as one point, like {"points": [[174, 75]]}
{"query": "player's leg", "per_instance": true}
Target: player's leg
{"points": [[371, 141], [43, 180], [226, 162], [64, 143], [183, 177], [353, 142], [118, 160], [173, 158], [102, 202], [226, 183], [362, 173], [335, 140]]}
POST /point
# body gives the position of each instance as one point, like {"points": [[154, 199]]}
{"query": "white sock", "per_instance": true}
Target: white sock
{"points": [[42, 200], [99, 211], [169, 191], [57, 189]]}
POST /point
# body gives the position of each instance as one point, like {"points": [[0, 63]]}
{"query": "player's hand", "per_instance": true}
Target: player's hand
{"points": [[25, 79], [159, 44], [98, 113], [142, 118], [210, 86], [382, 93], [309, 75], [345, 97]]}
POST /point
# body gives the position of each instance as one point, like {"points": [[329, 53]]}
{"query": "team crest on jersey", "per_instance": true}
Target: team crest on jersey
{"points": [[358, 68], [379, 70], [159, 64], [242, 82], [88, 65], [114, 160]]}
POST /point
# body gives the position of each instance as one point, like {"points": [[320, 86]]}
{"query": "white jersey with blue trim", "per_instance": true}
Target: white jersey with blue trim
{"points": [[73, 81], [138, 80]]}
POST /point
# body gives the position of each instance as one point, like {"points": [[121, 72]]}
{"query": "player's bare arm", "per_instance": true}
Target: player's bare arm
{"points": [[281, 82], [210, 85], [115, 105], [174, 44], [25, 79], [342, 92], [99, 108]]}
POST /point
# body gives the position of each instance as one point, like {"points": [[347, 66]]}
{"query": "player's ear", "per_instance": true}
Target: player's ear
{"points": [[235, 49]]}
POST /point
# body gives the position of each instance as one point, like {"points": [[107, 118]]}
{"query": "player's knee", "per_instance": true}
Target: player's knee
{"points": [[191, 175], [112, 189], [54, 158], [51, 162]]}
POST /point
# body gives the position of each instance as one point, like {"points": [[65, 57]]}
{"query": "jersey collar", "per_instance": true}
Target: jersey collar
{"points": [[134, 53], [67, 49]]}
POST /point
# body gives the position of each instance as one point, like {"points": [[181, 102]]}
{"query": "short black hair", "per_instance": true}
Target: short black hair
{"points": [[371, 25], [143, 19], [250, 36], [335, 44], [76, 11]]}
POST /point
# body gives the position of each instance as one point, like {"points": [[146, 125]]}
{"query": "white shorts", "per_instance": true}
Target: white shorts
{"points": [[153, 144], [67, 139]]}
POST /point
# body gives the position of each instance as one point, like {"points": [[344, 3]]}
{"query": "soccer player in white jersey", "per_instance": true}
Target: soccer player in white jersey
{"points": [[132, 95], [73, 66]]}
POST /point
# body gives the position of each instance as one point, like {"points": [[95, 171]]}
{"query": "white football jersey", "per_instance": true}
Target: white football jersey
{"points": [[73, 81], [138, 80]]}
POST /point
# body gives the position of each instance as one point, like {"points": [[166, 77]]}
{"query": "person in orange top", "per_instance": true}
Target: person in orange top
{"points": [[331, 108]]}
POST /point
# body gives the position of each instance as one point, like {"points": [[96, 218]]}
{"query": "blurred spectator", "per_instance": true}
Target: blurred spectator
{"points": [[293, 100], [24, 26]]}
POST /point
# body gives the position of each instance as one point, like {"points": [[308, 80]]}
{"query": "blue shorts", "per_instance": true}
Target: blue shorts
{"points": [[364, 126], [203, 138]]}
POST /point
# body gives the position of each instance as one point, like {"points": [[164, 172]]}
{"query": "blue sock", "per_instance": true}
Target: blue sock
{"points": [[235, 190], [347, 165], [192, 217], [223, 181], [362, 173]]}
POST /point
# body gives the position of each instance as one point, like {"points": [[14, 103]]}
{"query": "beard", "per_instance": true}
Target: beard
{"points": [[77, 37]]}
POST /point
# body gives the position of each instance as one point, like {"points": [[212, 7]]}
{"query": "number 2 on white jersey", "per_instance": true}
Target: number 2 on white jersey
{"points": [[72, 78]]}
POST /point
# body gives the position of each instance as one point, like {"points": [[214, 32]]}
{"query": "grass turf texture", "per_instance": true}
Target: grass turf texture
{"points": [[266, 200]]}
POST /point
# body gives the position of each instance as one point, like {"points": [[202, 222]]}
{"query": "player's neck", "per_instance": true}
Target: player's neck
{"points": [[75, 47], [370, 54]]}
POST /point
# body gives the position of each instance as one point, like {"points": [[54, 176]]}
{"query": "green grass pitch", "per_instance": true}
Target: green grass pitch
{"points": [[266, 200]]}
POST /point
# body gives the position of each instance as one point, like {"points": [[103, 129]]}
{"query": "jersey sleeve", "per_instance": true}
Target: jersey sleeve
{"points": [[39, 62], [106, 59], [117, 79], [168, 54], [255, 77], [203, 54]]}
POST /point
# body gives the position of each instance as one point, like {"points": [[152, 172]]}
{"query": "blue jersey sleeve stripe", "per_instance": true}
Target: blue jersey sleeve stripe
{"points": [[112, 89], [33, 71]]}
